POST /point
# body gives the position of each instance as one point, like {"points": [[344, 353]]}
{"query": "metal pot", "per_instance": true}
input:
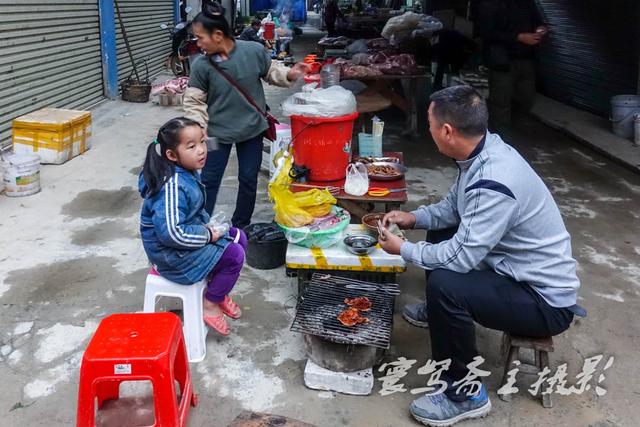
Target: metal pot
{"points": [[341, 357]]}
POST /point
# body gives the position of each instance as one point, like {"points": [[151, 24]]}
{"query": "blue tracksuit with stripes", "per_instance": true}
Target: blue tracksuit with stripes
{"points": [[173, 226], [507, 221]]}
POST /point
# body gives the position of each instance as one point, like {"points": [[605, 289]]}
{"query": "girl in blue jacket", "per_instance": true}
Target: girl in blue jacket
{"points": [[174, 226]]}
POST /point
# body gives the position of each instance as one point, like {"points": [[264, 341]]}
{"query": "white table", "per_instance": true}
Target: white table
{"points": [[378, 266]]}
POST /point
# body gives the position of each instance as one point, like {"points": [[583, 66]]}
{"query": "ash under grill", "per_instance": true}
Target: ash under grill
{"points": [[323, 299]]}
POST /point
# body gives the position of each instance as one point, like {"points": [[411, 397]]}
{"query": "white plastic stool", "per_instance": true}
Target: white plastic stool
{"points": [[194, 328]]}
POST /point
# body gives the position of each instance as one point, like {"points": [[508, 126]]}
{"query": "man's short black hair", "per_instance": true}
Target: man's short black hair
{"points": [[463, 108]]}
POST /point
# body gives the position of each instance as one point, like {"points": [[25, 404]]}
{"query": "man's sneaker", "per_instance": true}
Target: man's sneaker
{"points": [[438, 410], [416, 314]]}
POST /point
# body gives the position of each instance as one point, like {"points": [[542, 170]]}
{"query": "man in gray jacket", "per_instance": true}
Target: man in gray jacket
{"points": [[503, 257]]}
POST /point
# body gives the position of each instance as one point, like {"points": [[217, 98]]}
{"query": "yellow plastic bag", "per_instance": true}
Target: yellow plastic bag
{"points": [[319, 210], [287, 212], [314, 197], [300, 208]]}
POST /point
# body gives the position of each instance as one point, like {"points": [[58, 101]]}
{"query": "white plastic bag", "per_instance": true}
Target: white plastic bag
{"points": [[357, 182], [404, 22], [358, 46], [219, 223], [333, 101]]}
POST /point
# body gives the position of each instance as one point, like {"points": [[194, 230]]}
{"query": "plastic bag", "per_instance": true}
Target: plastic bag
{"points": [[333, 101], [325, 231], [357, 182], [407, 21], [358, 46], [319, 210], [314, 197], [287, 211], [219, 223], [288, 206]]}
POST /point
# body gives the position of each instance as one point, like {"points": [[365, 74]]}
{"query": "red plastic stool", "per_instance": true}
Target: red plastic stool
{"points": [[137, 347]]}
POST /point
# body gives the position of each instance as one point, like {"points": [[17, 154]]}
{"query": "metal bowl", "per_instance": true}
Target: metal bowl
{"points": [[360, 244]]}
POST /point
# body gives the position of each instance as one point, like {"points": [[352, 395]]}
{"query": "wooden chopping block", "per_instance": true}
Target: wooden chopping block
{"points": [[256, 419]]}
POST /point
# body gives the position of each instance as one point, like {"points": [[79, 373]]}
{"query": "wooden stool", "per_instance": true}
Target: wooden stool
{"points": [[511, 345]]}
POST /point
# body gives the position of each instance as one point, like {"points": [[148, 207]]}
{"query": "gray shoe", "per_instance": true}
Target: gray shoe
{"points": [[439, 411], [416, 314]]}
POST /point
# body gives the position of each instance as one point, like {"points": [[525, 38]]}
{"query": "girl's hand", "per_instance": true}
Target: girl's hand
{"points": [[215, 236]]}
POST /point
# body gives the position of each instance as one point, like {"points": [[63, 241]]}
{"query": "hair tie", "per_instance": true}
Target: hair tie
{"points": [[158, 148]]}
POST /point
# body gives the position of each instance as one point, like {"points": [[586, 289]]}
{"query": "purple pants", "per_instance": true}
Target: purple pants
{"points": [[225, 273]]}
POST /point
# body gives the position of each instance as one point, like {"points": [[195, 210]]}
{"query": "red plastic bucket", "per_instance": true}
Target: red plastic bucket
{"points": [[269, 31], [323, 144]]}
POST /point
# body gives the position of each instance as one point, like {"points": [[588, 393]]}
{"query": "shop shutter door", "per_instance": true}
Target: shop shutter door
{"points": [[49, 57], [149, 42], [592, 51]]}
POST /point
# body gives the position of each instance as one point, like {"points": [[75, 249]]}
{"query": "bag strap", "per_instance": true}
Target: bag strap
{"points": [[237, 87]]}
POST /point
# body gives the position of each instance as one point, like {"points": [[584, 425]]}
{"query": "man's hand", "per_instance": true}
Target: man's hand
{"points": [[404, 220], [297, 71], [530, 39], [390, 243]]}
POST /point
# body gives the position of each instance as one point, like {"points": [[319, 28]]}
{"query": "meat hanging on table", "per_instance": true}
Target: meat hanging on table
{"points": [[351, 317], [360, 303]]}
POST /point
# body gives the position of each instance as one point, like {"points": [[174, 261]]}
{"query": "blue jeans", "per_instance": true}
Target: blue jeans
{"points": [[249, 161]]}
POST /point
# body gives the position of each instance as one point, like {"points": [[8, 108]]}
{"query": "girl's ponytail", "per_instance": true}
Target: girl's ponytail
{"points": [[157, 168]]}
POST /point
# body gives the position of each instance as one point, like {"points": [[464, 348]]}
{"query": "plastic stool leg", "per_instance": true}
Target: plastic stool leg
{"points": [[181, 366], [195, 331], [85, 416], [165, 402], [149, 295], [107, 390]]}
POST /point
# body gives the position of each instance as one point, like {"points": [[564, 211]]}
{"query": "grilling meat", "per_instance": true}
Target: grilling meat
{"points": [[360, 303], [351, 317]]}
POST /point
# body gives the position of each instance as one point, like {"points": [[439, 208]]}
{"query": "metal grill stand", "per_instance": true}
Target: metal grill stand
{"points": [[341, 358]]}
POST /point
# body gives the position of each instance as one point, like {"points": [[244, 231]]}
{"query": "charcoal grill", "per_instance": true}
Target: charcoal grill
{"points": [[323, 299]]}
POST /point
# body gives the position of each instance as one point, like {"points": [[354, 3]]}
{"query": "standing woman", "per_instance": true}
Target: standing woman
{"points": [[227, 115]]}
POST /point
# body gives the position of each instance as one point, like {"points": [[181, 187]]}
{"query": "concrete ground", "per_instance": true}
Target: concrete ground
{"points": [[71, 255]]}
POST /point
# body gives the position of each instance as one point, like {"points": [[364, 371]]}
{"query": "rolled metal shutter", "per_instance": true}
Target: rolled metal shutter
{"points": [[149, 42], [592, 51], [49, 57]]}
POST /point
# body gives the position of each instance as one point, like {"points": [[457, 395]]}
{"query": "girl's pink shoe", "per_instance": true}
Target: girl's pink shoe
{"points": [[217, 323], [230, 308]]}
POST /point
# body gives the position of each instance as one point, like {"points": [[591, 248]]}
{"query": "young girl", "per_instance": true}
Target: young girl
{"points": [[174, 226]]}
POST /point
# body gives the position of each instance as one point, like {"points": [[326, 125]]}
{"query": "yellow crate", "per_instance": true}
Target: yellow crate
{"points": [[54, 134]]}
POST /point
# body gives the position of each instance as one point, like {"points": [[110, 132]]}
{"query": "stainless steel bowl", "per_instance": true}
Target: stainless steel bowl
{"points": [[360, 244]]}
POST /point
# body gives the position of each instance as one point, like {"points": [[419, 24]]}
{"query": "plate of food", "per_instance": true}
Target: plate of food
{"points": [[385, 171], [367, 160]]}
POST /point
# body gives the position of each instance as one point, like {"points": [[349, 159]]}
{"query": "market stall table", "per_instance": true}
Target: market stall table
{"points": [[358, 206], [378, 266], [416, 88]]}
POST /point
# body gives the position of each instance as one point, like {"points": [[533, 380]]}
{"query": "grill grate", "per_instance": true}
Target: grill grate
{"points": [[323, 299]]}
